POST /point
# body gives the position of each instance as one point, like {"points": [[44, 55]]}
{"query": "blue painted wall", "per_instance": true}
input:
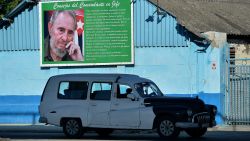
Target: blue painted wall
{"points": [[163, 53], [19, 109]]}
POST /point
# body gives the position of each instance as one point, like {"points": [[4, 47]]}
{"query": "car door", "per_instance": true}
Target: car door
{"points": [[68, 100], [124, 113], [99, 105]]}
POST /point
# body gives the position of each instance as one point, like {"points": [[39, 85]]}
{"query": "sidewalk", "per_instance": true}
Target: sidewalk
{"points": [[40, 128], [30, 128], [230, 128]]}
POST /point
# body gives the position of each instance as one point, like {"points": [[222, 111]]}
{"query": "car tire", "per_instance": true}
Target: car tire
{"points": [[196, 132], [104, 132], [72, 128], [166, 128]]}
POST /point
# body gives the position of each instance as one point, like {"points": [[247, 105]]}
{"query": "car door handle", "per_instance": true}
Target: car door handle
{"points": [[93, 104], [53, 112]]}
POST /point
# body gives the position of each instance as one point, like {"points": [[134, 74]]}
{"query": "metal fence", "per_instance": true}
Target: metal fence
{"points": [[237, 96]]}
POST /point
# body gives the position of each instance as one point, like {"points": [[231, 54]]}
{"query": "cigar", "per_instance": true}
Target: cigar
{"points": [[67, 46]]}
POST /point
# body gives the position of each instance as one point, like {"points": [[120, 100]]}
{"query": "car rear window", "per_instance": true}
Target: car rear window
{"points": [[73, 90]]}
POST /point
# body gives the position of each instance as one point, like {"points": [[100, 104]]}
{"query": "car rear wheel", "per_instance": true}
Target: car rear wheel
{"points": [[72, 128], [166, 128], [196, 132]]}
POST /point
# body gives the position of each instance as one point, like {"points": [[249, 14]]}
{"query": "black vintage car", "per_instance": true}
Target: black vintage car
{"points": [[174, 114], [181, 113]]}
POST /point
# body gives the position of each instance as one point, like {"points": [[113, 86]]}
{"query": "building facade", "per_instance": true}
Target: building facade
{"points": [[180, 63]]}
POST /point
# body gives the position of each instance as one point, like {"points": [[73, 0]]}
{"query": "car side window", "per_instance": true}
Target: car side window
{"points": [[101, 91], [73, 90], [122, 90]]}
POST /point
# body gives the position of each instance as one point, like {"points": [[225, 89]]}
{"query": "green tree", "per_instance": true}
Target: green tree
{"points": [[7, 5]]}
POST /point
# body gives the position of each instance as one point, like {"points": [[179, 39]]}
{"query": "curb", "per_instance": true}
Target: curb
{"points": [[4, 139], [31, 128]]}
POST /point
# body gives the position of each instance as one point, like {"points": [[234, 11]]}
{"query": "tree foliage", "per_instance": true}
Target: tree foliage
{"points": [[7, 5]]}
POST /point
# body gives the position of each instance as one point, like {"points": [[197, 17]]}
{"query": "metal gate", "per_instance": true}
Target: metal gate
{"points": [[237, 95]]}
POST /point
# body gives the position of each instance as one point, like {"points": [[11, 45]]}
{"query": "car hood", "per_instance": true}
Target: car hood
{"points": [[180, 101]]}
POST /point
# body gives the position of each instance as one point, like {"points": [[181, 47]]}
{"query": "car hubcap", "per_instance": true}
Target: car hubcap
{"points": [[166, 127], [72, 127]]}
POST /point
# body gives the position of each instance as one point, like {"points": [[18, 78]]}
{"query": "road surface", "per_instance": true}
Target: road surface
{"points": [[22, 133]]}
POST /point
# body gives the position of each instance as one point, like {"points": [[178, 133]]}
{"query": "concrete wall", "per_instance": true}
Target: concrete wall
{"points": [[173, 69]]}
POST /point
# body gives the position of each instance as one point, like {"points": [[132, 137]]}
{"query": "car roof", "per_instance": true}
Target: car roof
{"points": [[114, 77]]}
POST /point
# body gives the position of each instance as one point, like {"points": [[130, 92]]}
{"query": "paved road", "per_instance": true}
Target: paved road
{"points": [[210, 136], [56, 135]]}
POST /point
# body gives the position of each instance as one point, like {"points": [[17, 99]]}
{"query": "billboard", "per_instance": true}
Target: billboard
{"points": [[86, 33]]}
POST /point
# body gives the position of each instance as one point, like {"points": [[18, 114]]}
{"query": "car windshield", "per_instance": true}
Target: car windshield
{"points": [[148, 89]]}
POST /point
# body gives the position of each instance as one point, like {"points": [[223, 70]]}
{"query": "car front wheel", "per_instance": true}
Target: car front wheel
{"points": [[166, 128], [72, 128]]}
